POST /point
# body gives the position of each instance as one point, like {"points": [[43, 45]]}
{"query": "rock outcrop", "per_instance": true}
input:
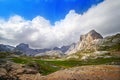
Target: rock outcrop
{"points": [[86, 42], [13, 71]]}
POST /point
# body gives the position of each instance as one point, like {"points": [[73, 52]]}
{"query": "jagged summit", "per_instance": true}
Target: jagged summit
{"points": [[91, 35], [92, 31], [22, 45], [87, 40]]}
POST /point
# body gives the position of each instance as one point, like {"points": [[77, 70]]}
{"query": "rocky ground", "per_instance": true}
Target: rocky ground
{"points": [[99, 72], [13, 71]]}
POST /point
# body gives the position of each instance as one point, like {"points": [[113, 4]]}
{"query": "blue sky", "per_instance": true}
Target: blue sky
{"points": [[52, 10]]}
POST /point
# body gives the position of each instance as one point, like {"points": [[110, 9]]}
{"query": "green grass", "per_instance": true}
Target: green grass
{"points": [[99, 61], [21, 60], [47, 67], [50, 66], [4, 54]]}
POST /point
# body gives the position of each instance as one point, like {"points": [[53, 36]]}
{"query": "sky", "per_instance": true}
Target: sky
{"points": [[50, 23], [52, 10]]}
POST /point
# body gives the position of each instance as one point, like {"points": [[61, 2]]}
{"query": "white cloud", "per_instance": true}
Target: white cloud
{"points": [[39, 33]]}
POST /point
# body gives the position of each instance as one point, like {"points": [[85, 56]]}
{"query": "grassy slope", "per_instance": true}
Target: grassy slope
{"points": [[49, 66]]}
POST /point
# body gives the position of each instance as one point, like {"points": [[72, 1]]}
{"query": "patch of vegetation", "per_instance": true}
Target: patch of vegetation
{"points": [[49, 66], [115, 47], [4, 54], [47, 57], [21, 60]]}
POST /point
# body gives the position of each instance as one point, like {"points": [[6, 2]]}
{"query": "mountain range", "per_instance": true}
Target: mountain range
{"points": [[89, 43]]}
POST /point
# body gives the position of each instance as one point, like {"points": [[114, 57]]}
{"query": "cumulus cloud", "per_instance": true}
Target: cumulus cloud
{"points": [[39, 33]]}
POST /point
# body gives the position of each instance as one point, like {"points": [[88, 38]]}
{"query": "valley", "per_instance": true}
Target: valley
{"points": [[91, 58]]}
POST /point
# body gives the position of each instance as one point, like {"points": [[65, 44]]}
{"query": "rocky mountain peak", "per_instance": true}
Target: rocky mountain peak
{"points": [[92, 31], [4, 48], [86, 42], [22, 46], [91, 35]]}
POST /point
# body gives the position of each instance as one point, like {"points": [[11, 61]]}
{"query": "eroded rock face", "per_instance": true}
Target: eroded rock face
{"points": [[87, 42]]}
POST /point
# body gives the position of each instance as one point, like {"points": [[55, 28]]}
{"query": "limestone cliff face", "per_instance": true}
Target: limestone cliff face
{"points": [[86, 42]]}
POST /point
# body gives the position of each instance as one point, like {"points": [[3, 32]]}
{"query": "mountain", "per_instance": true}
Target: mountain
{"points": [[91, 35], [4, 48], [54, 53], [50, 54], [91, 42], [63, 48], [93, 45], [85, 42], [109, 43], [71, 48], [25, 49]]}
